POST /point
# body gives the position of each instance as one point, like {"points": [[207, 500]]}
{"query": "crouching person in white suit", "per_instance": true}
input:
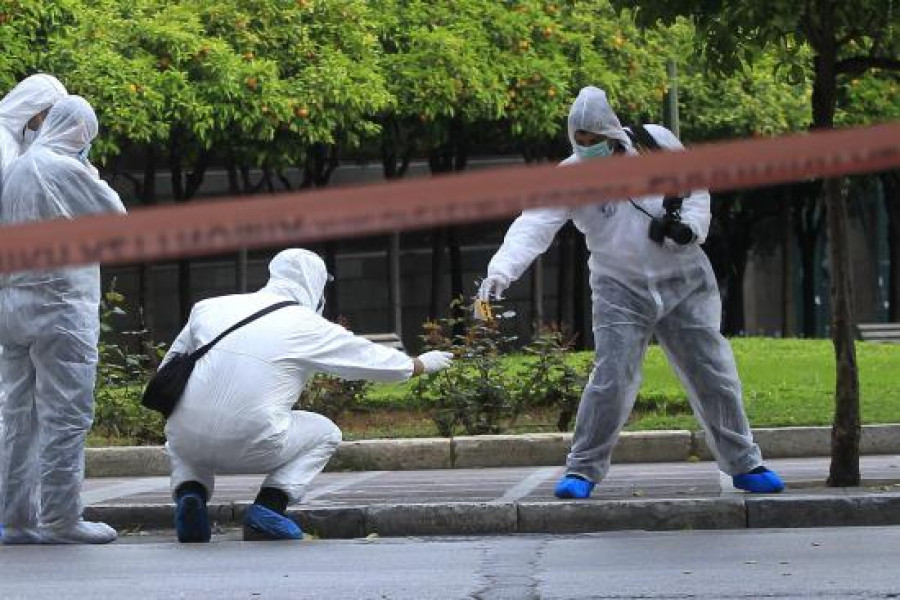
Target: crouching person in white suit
{"points": [[236, 412]]}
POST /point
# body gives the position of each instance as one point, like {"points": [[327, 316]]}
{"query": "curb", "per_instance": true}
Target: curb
{"points": [[845, 508], [532, 450]]}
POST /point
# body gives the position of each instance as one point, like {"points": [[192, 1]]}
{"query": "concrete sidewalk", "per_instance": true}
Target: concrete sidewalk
{"points": [[649, 496]]}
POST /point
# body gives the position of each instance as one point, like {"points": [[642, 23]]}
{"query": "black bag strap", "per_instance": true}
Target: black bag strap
{"points": [[204, 349], [643, 138]]}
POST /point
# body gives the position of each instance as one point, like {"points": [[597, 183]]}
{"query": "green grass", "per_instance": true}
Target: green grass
{"points": [[786, 382]]}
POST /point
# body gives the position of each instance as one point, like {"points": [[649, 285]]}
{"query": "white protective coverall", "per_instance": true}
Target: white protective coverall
{"points": [[235, 415], [32, 96], [49, 328], [639, 289]]}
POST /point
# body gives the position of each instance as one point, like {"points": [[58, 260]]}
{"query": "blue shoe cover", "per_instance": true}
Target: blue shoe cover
{"points": [[573, 487], [764, 482], [268, 524], [192, 519]]}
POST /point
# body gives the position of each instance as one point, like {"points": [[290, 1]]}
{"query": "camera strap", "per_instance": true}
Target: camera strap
{"points": [[640, 208], [643, 141]]}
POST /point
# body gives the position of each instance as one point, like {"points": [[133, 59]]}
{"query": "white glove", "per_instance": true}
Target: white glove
{"points": [[493, 285], [436, 360]]}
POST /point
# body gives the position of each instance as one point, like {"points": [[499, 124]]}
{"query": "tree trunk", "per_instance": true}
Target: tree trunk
{"points": [[845, 433], [175, 165], [891, 184], [396, 150], [196, 176], [321, 162], [246, 181]]}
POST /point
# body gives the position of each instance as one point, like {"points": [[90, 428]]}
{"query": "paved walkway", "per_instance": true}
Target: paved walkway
{"points": [[657, 480], [648, 496]]}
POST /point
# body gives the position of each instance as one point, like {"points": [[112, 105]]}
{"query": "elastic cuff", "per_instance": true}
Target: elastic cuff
{"points": [[192, 487], [582, 476], [272, 498]]}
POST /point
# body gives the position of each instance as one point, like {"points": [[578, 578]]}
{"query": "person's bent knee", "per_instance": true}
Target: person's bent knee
{"points": [[334, 435], [323, 429]]}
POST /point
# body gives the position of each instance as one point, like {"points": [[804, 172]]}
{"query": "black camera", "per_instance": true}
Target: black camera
{"points": [[669, 225]]}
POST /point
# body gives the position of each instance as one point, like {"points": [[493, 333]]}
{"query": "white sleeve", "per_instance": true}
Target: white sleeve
{"points": [[695, 211], [108, 199], [183, 344], [329, 348], [80, 193], [528, 237]]}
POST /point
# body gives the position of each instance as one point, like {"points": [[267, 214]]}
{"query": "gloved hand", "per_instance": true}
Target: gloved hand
{"points": [[493, 285], [436, 360]]}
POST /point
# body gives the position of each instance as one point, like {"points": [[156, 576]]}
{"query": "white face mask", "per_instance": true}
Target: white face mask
{"points": [[601, 150]]}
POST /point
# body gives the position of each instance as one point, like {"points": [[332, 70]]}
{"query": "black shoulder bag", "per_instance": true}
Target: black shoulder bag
{"points": [[165, 388]]}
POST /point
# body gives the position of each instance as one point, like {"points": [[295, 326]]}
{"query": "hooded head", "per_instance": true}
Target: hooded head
{"points": [[31, 97], [591, 112], [69, 128], [300, 275]]}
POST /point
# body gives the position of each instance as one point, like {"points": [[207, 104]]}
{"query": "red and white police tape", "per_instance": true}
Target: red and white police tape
{"points": [[217, 226]]}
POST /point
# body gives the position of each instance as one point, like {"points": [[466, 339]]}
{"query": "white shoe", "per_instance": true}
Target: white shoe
{"points": [[82, 532], [21, 535]]}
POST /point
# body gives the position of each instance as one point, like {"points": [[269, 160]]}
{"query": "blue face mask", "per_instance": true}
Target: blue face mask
{"points": [[601, 150], [83, 155]]}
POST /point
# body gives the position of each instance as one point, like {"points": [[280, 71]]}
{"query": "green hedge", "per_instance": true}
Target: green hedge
{"points": [[786, 383]]}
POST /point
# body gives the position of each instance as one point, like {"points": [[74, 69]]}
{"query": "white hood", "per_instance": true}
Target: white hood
{"points": [[298, 274], [33, 95], [70, 126], [591, 112]]}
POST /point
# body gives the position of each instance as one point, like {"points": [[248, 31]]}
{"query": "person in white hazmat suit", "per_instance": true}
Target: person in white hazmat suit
{"points": [[49, 329], [640, 287], [22, 111], [236, 416]]}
